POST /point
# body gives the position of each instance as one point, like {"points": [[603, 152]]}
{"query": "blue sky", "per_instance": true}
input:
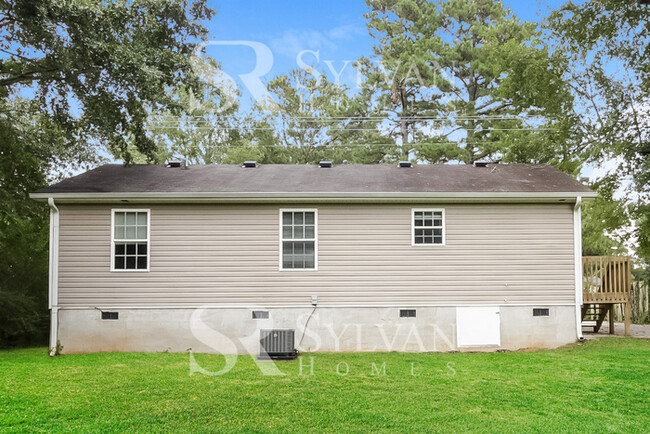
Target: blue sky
{"points": [[336, 29]]}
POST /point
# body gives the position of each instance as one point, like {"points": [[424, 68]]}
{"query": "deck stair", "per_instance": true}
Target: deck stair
{"points": [[593, 315], [607, 280]]}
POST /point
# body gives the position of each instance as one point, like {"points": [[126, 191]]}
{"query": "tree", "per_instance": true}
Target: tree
{"points": [[91, 71], [484, 78], [30, 143], [314, 119], [96, 66], [210, 129], [607, 43]]}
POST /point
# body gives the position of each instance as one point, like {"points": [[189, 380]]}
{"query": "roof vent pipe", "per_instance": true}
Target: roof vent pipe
{"points": [[405, 164], [250, 164], [325, 164], [480, 164], [174, 163]]}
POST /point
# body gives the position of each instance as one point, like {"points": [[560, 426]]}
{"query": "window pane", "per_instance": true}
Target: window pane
{"points": [[427, 227], [287, 233], [142, 232], [298, 254], [298, 225], [287, 254], [131, 225], [423, 236], [130, 233]]}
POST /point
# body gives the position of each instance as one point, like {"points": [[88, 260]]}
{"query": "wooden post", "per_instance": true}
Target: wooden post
{"points": [[611, 318], [628, 304]]}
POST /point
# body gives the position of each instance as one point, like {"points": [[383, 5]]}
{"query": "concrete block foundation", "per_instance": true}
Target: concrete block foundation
{"points": [[330, 329]]}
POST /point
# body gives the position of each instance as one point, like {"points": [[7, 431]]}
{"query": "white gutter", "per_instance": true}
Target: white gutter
{"points": [[577, 256], [54, 277], [235, 197]]}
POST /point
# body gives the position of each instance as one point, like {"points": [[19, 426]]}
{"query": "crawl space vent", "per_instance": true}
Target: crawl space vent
{"points": [[407, 313], [110, 315], [260, 314]]}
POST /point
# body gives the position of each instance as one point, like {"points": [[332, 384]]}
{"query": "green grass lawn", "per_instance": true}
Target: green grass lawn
{"points": [[602, 385]]}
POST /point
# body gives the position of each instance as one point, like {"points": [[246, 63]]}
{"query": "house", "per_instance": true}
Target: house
{"points": [[350, 257]]}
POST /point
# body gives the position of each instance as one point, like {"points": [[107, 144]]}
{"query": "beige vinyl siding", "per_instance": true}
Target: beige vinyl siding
{"points": [[208, 254]]}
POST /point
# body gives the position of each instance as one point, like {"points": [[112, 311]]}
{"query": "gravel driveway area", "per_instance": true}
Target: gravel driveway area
{"points": [[636, 330]]}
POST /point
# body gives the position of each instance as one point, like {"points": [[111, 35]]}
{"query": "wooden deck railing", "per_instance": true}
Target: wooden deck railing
{"points": [[606, 279]]}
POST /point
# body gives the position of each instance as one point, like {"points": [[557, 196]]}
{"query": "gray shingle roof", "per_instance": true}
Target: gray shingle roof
{"points": [[426, 178]]}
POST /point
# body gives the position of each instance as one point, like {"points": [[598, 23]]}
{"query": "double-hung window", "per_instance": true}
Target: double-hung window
{"points": [[428, 227], [298, 239], [130, 240]]}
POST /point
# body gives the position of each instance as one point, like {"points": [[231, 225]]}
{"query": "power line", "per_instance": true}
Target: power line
{"points": [[357, 145], [363, 118], [328, 128]]}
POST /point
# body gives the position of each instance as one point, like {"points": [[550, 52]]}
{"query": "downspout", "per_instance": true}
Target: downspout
{"points": [[577, 256], [54, 277]]}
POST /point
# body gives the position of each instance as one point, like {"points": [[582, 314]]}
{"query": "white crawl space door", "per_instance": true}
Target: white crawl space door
{"points": [[478, 326]]}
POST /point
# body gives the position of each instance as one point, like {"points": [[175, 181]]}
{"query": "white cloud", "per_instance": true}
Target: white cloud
{"points": [[346, 32], [292, 42]]}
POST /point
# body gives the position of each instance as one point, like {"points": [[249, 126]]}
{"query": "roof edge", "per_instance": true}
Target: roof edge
{"points": [[239, 197]]}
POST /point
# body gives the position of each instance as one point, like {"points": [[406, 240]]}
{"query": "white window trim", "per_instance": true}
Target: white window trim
{"points": [[444, 227], [315, 211], [140, 270]]}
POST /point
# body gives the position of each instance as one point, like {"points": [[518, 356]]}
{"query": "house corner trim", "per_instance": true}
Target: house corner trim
{"points": [[54, 277], [577, 254]]}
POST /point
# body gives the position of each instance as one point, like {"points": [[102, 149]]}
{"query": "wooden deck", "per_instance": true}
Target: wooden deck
{"points": [[607, 280]]}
